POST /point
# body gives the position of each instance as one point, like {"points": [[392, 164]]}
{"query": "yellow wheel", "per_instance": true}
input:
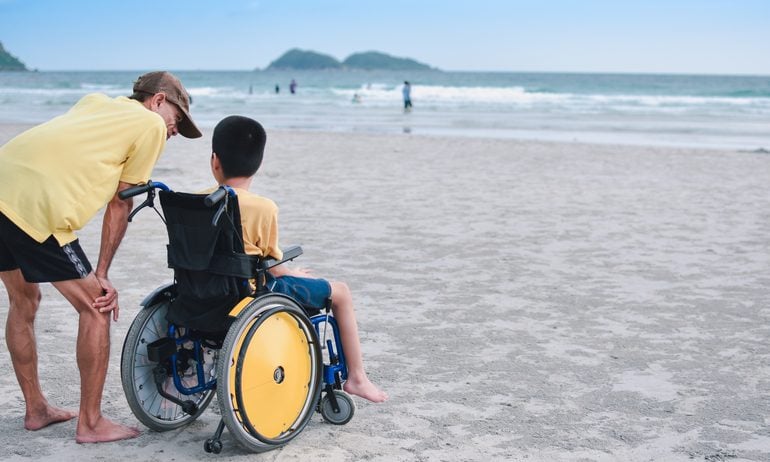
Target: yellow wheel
{"points": [[269, 373]]}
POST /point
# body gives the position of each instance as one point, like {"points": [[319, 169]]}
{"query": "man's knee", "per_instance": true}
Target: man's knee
{"points": [[94, 318], [22, 295], [81, 293], [27, 298]]}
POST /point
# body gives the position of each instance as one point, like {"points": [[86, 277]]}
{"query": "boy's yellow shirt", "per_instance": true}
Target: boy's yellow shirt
{"points": [[56, 176], [259, 223]]}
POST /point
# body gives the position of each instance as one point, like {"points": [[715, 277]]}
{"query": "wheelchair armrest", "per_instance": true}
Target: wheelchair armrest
{"points": [[289, 253]]}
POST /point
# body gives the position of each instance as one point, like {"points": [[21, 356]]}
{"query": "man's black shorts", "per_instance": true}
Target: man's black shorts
{"points": [[46, 262]]}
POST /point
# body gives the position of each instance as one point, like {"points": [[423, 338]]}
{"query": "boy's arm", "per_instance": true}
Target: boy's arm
{"points": [[285, 270], [280, 270]]}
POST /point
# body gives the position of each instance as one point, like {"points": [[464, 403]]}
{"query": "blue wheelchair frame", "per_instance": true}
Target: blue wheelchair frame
{"points": [[334, 372], [202, 384]]}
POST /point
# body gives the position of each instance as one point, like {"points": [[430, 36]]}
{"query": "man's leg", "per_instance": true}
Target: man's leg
{"points": [[24, 301], [358, 383], [93, 355]]}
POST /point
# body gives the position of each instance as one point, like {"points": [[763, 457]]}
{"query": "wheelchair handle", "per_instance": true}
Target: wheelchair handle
{"points": [[217, 196], [141, 189], [148, 188]]}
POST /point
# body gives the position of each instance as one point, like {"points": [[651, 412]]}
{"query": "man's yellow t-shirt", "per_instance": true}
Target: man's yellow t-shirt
{"points": [[56, 176]]}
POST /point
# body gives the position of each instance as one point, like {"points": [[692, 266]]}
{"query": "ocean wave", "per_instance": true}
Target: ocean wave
{"points": [[718, 111], [451, 94], [436, 95], [521, 97], [42, 91], [101, 87]]}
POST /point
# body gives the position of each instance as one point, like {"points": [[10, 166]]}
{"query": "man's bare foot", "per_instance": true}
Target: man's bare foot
{"points": [[104, 431], [51, 415], [365, 389]]}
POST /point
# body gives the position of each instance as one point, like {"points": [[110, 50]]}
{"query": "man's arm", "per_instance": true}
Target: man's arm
{"points": [[113, 229]]}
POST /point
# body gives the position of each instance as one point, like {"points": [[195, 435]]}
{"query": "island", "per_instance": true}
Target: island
{"points": [[8, 62], [296, 59], [376, 60]]}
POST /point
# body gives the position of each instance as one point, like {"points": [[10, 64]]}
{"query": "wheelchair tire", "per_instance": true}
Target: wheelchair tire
{"points": [[136, 373], [269, 373], [347, 407]]}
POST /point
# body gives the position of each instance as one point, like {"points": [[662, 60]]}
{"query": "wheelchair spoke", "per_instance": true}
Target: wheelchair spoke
{"points": [[158, 328], [138, 374]]}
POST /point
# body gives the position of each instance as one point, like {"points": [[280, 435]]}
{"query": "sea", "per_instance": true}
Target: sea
{"points": [[704, 111]]}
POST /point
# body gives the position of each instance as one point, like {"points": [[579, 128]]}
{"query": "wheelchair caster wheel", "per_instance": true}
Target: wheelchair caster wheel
{"points": [[214, 446], [346, 408]]}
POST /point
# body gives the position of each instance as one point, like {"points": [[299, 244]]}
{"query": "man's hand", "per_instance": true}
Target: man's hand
{"points": [[109, 301], [114, 226]]}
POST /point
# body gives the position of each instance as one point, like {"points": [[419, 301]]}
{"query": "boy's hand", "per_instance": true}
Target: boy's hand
{"points": [[302, 272], [284, 270]]}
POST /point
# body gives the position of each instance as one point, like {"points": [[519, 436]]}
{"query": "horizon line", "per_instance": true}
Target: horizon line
{"points": [[672, 73]]}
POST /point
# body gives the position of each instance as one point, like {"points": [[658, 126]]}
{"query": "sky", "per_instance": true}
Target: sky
{"points": [[627, 36]]}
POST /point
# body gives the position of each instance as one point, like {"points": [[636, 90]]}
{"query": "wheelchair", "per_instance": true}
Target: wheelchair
{"points": [[217, 329]]}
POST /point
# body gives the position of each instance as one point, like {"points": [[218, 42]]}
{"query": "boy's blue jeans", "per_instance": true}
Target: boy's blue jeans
{"points": [[311, 293]]}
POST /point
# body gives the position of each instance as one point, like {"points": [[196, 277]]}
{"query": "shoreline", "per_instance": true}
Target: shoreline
{"points": [[518, 300], [641, 141]]}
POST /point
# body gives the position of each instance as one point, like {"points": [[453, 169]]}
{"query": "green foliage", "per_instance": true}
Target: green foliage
{"points": [[377, 60], [301, 59], [8, 62]]}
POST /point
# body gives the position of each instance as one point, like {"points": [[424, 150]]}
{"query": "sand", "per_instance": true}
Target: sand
{"points": [[518, 301]]}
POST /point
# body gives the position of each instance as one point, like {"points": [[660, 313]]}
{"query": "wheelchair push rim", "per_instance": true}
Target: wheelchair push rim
{"points": [[153, 410], [269, 373]]}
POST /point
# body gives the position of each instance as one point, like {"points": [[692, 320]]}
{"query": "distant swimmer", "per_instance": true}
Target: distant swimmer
{"points": [[293, 86], [277, 89], [356, 98], [407, 92]]}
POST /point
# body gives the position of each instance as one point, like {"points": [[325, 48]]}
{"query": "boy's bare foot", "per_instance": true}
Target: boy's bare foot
{"points": [[105, 431], [365, 389], [51, 415]]}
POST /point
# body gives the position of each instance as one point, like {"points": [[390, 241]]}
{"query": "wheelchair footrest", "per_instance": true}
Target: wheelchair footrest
{"points": [[161, 349]]}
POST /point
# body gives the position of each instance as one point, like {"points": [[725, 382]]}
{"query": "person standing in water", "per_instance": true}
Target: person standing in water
{"points": [[406, 90]]}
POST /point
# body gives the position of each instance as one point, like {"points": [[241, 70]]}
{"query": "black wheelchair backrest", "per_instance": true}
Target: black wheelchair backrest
{"points": [[206, 252]]}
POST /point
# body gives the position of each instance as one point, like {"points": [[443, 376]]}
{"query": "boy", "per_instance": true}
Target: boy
{"points": [[238, 144]]}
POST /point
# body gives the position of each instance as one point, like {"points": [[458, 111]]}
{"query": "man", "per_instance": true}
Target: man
{"points": [[53, 179]]}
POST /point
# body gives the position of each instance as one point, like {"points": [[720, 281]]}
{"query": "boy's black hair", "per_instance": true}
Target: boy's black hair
{"points": [[239, 143]]}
